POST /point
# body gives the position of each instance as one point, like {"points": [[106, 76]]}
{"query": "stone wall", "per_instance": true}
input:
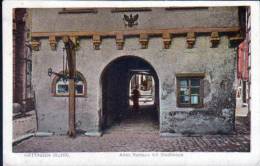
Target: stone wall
{"points": [[25, 125], [49, 20], [218, 64]]}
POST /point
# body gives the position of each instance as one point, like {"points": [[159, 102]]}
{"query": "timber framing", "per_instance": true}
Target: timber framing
{"points": [[150, 32]]}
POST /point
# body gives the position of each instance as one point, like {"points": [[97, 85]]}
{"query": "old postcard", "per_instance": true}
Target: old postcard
{"points": [[131, 83]]}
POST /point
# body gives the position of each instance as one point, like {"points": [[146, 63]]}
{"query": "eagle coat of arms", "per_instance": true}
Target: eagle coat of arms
{"points": [[131, 20]]}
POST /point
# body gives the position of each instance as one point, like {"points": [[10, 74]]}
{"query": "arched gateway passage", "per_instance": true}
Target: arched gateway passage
{"points": [[116, 86]]}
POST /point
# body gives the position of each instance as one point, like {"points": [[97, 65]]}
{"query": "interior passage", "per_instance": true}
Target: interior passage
{"points": [[130, 100]]}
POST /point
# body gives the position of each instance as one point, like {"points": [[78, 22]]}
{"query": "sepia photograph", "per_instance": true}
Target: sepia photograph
{"points": [[144, 81]]}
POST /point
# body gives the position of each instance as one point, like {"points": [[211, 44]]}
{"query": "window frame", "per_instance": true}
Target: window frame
{"points": [[189, 77], [56, 79]]}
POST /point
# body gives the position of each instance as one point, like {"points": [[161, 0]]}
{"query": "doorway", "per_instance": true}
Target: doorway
{"points": [[117, 82], [144, 83]]}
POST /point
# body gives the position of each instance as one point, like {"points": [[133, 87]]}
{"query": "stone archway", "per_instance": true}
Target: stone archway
{"points": [[114, 81]]}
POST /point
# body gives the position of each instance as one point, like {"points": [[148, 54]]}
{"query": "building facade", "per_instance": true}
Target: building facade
{"points": [[24, 117], [190, 53], [244, 62]]}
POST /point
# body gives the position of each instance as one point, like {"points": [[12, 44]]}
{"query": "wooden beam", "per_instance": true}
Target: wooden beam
{"points": [[71, 58], [75, 40], [72, 108], [150, 32]]}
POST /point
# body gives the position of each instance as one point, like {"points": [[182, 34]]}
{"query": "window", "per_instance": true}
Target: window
{"points": [[190, 90], [60, 86]]}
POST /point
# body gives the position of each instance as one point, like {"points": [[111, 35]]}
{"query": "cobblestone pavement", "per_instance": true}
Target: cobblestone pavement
{"points": [[129, 136]]}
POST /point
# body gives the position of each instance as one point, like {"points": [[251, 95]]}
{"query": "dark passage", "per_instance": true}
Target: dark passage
{"points": [[145, 121], [117, 110]]}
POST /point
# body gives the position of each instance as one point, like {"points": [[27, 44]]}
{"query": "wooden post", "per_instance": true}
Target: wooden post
{"points": [[71, 58], [72, 131]]}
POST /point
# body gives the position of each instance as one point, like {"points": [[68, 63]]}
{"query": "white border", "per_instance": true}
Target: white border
{"points": [[190, 158]]}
